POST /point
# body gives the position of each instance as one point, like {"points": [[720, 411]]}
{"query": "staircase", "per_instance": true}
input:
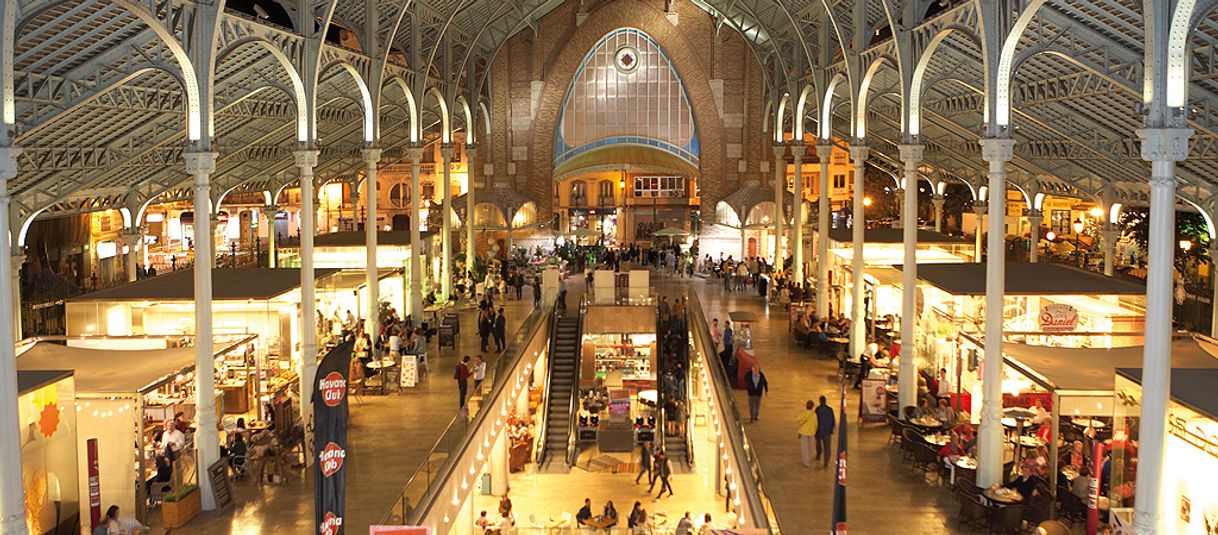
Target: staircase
{"points": [[564, 368]]}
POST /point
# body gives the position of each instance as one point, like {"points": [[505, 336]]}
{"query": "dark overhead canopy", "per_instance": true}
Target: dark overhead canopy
{"points": [[1023, 278], [895, 235], [227, 283], [357, 238], [1095, 369], [1193, 387], [31, 380]]}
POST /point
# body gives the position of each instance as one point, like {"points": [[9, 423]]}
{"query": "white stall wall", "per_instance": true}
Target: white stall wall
{"points": [[113, 424]]}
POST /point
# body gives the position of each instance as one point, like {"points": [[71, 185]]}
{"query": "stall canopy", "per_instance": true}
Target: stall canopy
{"points": [[1193, 387], [357, 238], [108, 370], [1090, 369], [1024, 278], [227, 283], [31, 380], [895, 235]]}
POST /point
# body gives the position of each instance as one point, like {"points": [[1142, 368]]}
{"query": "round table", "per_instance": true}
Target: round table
{"points": [[1028, 441], [1088, 422], [936, 439], [1002, 496], [386, 362], [967, 463], [1009, 422], [926, 422], [1070, 473], [600, 522]]}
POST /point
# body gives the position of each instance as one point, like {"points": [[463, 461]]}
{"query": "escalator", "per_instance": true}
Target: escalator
{"points": [[563, 394]]}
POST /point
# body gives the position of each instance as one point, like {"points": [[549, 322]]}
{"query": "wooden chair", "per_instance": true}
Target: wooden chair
{"points": [[895, 428], [1006, 518]]}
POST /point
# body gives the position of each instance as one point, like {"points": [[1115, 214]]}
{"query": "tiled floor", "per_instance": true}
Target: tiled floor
{"points": [[390, 436]]}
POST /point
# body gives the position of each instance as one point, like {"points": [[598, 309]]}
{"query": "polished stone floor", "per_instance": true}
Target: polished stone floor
{"points": [[392, 435]]}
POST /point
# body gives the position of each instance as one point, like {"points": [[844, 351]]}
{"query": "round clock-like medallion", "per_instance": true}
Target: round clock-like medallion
{"points": [[626, 59]]}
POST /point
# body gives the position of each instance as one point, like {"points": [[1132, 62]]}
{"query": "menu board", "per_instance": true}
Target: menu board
{"points": [[874, 402], [410, 371], [619, 405]]}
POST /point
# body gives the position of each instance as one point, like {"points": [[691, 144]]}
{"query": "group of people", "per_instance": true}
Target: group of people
{"points": [[657, 468], [739, 275], [639, 521]]}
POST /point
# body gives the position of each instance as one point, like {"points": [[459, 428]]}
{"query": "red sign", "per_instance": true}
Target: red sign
{"points": [[1093, 488], [331, 524], [331, 459], [332, 387], [94, 483], [1058, 317], [839, 529], [841, 469]]}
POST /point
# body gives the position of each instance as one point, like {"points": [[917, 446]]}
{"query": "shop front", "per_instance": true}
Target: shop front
{"points": [[1190, 466], [617, 379], [47, 427], [123, 397]]}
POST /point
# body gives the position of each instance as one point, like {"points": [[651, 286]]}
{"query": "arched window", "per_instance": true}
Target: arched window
{"points": [[626, 91], [579, 193], [605, 197], [399, 195]]}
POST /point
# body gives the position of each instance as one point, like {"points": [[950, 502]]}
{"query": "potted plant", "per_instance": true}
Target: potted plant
{"points": [[180, 506]]}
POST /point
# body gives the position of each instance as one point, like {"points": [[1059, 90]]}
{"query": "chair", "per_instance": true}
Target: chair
{"points": [[895, 428], [158, 491], [925, 459], [1073, 508], [909, 443], [972, 511], [1006, 518], [1053, 527], [238, 465]]}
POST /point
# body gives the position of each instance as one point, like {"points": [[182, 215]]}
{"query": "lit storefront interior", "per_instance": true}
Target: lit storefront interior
{"points": [[617, 378]]}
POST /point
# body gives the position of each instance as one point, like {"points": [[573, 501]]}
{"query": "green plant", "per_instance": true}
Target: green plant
{"points": [[181, 492]]}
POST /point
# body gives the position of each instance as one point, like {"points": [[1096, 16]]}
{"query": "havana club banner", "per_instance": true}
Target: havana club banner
{"points": [[330, 439]]}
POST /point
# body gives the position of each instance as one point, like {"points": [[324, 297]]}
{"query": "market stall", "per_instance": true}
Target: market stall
{"points": [[617, 370], [122, 399], [261, 301], [1046, 305], [882, 249], [1190, 464], [1075, 388], [48, 451]]}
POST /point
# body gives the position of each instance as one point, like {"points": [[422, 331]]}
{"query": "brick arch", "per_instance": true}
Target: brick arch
{"points": [[560, 69]]}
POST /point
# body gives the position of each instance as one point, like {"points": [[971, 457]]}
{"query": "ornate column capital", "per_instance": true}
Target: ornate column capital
{"points": [[306, 159], [980, 207], [471, 152], [415, 154], [780, 150], [938, 200], [8, 162], [858, 153], [911, 154], [200, 162], [269, 210], [1164, 144], [446, 152], [994, 149], [1034, 215], [131, 237], [824, 151], [798, 150], [370, 155]]}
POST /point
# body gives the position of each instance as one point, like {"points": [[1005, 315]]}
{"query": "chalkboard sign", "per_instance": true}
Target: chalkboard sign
{"points": [[220, 486]]}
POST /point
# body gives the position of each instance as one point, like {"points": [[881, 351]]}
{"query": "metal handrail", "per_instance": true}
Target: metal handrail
{"points": [[572, 431], [432, 481], [752, 487], [543, 422]]}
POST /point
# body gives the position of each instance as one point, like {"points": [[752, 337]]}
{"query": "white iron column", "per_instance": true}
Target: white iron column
{"points": [[371, 157], [415, 154], [938, 201], [18, 260], [824, 152], [207, 442], [979, 208], [858, 332], [306, 160], [1163, 147], [499, 463], [132, 238], [1035, 217], [471, 180], [780, 188], [1111, 236], [911, 155], [12, 491], [446, 196], [996, 151], [268, 217], [899, 221], [1214, 271], [797, 225]]}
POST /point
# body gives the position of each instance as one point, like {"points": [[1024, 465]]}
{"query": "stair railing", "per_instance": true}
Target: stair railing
{"points": [[572, 430]]}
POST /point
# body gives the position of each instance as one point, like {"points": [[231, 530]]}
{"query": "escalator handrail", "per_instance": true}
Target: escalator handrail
{"points": [[572, 429], [543, 422]]}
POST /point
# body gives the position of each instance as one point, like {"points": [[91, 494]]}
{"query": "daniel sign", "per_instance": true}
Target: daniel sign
{"points": [[1058, 317]]}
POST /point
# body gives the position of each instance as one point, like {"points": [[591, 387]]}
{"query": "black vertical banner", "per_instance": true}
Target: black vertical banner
{"points": [[839, 486], [330, 439]]}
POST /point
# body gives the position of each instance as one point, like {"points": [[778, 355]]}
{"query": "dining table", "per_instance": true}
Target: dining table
{"points": [[936, 439], [926, 422], [1002, 496], [600, 522], [1070, 473], [386, 362], [1028, 441], [1088, 422]]}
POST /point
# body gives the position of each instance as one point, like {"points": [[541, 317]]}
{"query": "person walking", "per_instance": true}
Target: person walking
{"points": [[486, 323], [807, 432], [662, 472], [645, 465], [757, 386], [536, 291], [461, 374], [499, 331], [825, 422]]}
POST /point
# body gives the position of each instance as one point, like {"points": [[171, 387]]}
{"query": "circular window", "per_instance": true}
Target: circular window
{"points": [[626, 59]]}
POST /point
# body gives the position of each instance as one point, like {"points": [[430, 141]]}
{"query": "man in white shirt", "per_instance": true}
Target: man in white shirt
{"points": [[174, 440], [479, 372], [395, 345]]}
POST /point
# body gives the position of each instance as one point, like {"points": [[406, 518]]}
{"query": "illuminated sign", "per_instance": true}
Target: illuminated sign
{"points": [[1178, 427], [1058, 317]]}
